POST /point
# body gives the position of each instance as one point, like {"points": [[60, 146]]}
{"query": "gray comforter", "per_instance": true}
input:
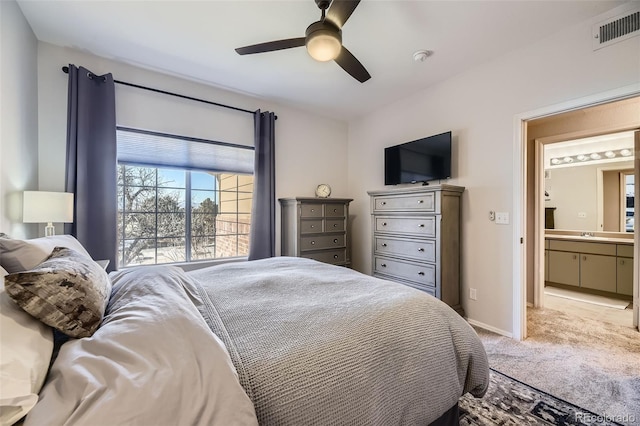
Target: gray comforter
{"points": [[315, 344], [283, 341]]}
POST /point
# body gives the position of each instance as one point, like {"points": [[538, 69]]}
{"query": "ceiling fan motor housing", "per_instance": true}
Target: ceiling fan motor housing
{"points": [[323, 4]]}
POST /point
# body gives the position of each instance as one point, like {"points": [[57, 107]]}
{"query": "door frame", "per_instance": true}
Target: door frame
{"points": [[519, 312]]}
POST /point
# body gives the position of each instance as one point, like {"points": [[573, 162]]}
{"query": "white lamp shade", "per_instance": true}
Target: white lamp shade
{"points": [[47, 207]]}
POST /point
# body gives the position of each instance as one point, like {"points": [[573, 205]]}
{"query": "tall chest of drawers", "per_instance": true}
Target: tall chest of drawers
{"points": [[316, 228], [416, 239]]}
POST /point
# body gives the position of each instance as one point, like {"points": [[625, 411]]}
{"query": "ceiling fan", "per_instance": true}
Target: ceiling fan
{"points": [[323, 39]]}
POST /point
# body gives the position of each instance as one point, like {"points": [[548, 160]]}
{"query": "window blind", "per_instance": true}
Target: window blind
{"points": [[155, 149]]}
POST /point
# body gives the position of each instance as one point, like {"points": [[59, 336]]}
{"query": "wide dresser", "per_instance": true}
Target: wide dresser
{"points": [[416, 239], [316, 228]]}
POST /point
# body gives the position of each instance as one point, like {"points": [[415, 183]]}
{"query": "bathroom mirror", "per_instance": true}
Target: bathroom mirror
{"points": [[589, 184]]}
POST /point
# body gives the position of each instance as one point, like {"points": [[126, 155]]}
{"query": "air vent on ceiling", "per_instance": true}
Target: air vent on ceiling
{"points": [[616, 29]]}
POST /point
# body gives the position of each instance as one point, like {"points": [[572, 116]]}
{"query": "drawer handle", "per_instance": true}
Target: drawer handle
{"points": [[384, 265], [421, 225], [384, 203], [420, 201], [312, 210], [313, 226], [574, 257], [384, 223], [335, 256], [622, 262], [584, 257], [335, 225], [313, 243], [335, 210], [335, 240], [420, 273], [420, 249], [384, 244]]}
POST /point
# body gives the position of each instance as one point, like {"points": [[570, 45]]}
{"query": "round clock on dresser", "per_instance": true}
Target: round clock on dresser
{"points": [[323, 190]]}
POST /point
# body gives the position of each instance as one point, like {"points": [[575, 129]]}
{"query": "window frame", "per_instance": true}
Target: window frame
{"points": [[188, 207]]}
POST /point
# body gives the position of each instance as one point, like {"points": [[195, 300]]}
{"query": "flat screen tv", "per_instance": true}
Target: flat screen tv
{"points": [[421, 160]]}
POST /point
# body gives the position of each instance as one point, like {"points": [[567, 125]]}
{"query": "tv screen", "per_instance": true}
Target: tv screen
{"points": [[421, 160]]}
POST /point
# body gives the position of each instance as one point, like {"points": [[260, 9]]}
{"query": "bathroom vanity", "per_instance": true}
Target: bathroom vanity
{"points": [[594, 262]]}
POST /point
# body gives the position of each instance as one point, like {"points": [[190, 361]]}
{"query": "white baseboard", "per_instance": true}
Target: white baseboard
{"points": [[489, 328]]}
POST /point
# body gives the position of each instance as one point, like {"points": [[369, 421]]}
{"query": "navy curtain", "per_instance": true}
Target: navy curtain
{"points": [[91, 162], [262, 238]]}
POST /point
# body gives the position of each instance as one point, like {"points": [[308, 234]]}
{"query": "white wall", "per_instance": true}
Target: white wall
{"points": [[309, 149], [18, 118], [479, 107]]}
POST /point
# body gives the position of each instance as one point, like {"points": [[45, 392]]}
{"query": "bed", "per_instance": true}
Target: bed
{"points": [[280, 341]]}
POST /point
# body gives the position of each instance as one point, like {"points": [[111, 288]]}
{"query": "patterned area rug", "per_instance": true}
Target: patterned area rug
{"points": [[511, 402]]}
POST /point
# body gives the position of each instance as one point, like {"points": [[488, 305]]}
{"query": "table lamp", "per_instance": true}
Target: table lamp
{"points": [[47, 207]]}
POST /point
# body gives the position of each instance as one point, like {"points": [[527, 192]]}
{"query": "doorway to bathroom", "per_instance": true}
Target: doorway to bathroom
{"points": [[592, 121]]}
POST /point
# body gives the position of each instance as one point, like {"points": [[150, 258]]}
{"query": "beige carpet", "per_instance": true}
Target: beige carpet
{"points": [[586, 297], [592, 364]]}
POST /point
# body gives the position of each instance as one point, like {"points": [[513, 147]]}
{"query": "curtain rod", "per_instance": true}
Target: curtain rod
{"points": [[65, 69]]}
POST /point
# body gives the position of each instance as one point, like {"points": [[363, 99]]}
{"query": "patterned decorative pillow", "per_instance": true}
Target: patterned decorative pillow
{"points": [[68, 292]]}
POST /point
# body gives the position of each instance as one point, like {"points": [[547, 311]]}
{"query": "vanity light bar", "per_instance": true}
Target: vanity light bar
{"points": [[581, 158]]}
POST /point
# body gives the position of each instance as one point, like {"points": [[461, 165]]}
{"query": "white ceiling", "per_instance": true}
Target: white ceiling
{"points": [[196, 40]]}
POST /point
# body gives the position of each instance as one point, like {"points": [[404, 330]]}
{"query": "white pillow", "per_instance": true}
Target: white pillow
{"points": [[22, 255], [25, 353]]}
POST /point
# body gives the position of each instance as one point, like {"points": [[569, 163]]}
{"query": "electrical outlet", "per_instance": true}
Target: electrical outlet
{"points": [[492, 215], [473, 294], [582, 214], [502, 218]]}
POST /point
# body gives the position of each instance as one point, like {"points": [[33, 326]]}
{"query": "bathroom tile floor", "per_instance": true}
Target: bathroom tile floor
{"points": [[622, 317]]}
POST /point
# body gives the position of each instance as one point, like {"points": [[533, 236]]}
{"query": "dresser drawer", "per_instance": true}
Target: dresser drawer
{"points": [[327, 256], [423, 226], [308, 226], [311, 210], [318, 242], [422, 287], [422, 250], [419, 273], [420, 202], [331, 225], [334, 210]]}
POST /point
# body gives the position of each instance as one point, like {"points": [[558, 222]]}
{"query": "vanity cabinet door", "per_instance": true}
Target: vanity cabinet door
{"points": [[625, 276], [598, 272], [564, 267]]}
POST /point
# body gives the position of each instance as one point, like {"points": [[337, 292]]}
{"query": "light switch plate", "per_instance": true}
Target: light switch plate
{"points": [[502, 218]]}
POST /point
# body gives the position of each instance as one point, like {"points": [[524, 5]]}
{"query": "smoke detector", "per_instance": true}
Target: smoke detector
{"points": [[422, 55]]}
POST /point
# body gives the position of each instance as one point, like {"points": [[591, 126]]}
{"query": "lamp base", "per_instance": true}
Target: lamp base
{"points": [[49, 230]]}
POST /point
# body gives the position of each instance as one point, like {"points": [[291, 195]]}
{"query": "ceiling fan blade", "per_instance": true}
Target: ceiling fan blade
{"points": [[270, 46], [350, 64], [341, 10]]}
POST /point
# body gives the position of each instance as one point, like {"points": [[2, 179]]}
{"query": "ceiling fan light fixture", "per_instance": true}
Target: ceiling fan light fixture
{"points": [[323, 41]]}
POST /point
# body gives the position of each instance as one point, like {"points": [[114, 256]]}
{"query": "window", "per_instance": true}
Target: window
{"points": [[172, 215], [181, 199], [628, 196]]}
